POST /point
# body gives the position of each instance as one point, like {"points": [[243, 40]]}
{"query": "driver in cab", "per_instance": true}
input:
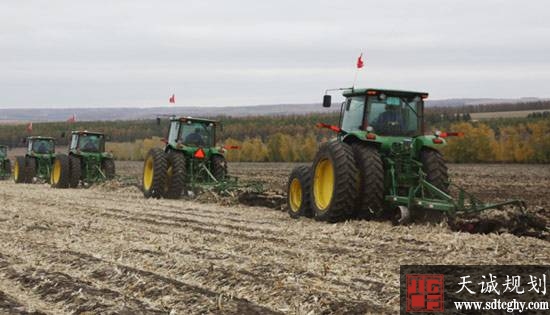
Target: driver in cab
{"points": [[195, 138]]}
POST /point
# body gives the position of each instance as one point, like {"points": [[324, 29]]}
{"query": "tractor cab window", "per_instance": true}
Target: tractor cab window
{"points": [[91, 143], [196, 134], [394, 115], [354, 110], [41, 146], [74, 142], [3, 151]]}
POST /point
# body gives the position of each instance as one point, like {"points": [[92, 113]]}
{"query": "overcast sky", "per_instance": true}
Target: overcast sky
{"points": [[137, 53]]}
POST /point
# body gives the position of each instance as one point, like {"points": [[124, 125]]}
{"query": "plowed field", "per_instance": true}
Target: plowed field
{"points": [[107, 250]]}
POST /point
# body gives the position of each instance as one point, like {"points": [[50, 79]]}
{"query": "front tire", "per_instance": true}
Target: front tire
{"points": [[60, 176], [299, 192], [154, 173], [335, 182]]}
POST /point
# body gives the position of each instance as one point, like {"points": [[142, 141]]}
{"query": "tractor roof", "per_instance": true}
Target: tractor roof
{"points": [[355, 92], [86, 132], [39, 138], [189, 118]]}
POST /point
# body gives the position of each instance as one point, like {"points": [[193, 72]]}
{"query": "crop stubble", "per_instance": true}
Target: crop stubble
{"points": [[108, 250]]}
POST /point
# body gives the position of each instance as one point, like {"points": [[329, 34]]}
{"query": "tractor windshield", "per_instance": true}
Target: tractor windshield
{"points": [[354, 110], [42, 146], [91, 143], [394, 115], [197, 134]]}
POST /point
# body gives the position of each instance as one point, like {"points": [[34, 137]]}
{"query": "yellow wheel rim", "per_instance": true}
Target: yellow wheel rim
{"points": [[295, 195], [323, 184], [56, 172], [148, 173], [16, 171]]}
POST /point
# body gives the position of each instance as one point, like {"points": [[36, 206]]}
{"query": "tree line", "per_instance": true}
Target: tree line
{"points": [[294, 137]]}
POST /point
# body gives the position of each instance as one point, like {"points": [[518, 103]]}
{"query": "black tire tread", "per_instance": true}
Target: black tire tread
{"points": [[370, 200], [219, 167], [433, 164], [75, 165], [344, 196], [64, 179], [159, 173], [109, 169], [175, 160], [20, 160], [304, 174], [30, 168]]}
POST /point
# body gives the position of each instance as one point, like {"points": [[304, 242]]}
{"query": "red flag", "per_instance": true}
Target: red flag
{"points": [[173, 99], [360, 61], [72, 119], [29, 127]]}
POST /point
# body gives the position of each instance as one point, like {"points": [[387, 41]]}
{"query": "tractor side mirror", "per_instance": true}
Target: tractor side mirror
{"points": [[327, 100]]}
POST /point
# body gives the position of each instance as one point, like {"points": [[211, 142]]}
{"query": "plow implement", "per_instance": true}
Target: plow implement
{"points": [[426, 196]]}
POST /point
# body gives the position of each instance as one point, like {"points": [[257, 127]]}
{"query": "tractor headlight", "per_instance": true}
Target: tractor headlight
{"points": [[370, 129]]}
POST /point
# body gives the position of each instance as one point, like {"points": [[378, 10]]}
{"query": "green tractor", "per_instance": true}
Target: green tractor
{"points": [[382, 164], [5, 163], [37, 162], [87, 161], [189, 159]]}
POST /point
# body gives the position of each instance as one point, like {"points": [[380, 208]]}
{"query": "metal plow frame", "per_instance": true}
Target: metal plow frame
{"points": [[226, 186], [426, 196]]}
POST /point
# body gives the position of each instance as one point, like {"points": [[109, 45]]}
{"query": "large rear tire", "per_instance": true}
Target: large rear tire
{"points": [[370, 201], [435, 168], [298, 197], [175, 175], [60, 176], [31, 167], [154, 173], [76, 171], [335, 182], [19, 170], [219, 167], [108, 166]]}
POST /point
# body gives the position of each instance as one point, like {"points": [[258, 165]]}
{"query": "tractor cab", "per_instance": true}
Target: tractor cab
{"points": [[88, 142], [382, 112], [40, 146], [192, 132], [389, 119]]}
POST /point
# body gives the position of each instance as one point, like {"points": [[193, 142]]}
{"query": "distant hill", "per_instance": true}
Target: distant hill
{"points": [[131, 113]]}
